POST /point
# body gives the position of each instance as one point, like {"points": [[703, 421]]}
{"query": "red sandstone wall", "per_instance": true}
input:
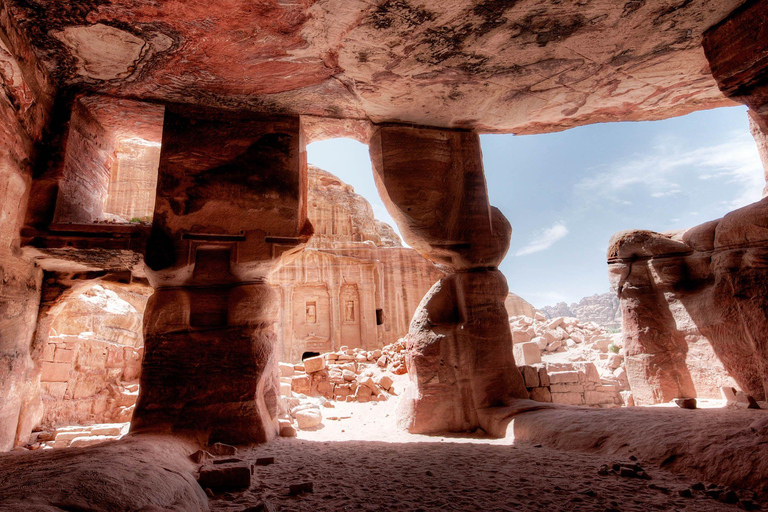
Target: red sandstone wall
{"points": [[25, 102]]}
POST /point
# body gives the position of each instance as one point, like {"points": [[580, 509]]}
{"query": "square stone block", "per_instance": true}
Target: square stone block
{"points": [[527, 353]]}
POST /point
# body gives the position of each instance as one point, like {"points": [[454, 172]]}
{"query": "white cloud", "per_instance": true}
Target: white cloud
{"points": [[544, 240], [658, 171]]}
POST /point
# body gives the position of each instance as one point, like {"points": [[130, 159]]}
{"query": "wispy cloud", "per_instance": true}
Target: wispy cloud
{"points": [[661, 171], [544, 239]]}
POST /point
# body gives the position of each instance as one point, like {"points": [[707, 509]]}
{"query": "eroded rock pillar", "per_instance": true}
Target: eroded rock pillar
{"points": [[231, 199], [655, 349], [459, 347]]}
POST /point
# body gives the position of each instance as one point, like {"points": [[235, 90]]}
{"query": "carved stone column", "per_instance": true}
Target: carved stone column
{"points": [[230, 201], [459, 349]]}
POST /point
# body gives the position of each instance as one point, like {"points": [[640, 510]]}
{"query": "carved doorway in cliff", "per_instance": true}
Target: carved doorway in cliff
{"points": [[349, 311], [311, 320]]}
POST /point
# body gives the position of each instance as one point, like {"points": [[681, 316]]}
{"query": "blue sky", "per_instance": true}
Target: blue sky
{"points": [[566, 193]]}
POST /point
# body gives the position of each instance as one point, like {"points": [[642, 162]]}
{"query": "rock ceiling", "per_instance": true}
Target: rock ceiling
{"points": [[518, 66]]}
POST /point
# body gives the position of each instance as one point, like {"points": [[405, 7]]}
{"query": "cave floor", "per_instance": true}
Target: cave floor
{"points": [[361, 461]]}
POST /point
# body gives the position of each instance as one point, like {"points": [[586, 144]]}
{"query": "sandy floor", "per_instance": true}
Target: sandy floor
{"points": [[362, 462]]}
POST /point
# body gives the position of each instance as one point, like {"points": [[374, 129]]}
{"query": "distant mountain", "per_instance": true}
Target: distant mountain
{"points": [[603, 309]]}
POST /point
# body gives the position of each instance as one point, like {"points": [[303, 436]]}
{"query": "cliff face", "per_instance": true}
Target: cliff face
{"points": [[354, 284], [603, 309], [339, 215]]}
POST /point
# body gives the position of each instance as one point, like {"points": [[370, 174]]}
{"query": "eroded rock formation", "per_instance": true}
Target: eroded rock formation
{"points": [[26, 99], [459, 345]]}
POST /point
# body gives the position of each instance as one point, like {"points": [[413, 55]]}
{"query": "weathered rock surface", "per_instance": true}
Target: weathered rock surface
{"points": [[26, 97], [136, 473], [517, 306], [694, 307], [459, 347], [603, 309], [518, 67]]}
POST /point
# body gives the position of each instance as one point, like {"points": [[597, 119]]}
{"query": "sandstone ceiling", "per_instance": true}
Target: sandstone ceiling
{"points": [[519, 66]]}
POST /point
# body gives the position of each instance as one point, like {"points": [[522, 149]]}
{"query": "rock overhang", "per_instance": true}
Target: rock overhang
{"points": [[495, 66]]}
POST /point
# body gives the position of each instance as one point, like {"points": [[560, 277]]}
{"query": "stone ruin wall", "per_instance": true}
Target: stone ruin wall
{"points": [[91, 361]]}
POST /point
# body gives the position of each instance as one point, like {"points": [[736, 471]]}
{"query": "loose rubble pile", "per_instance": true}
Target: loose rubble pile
{"points": [[567, 361], [77, 436], [349, 375]]}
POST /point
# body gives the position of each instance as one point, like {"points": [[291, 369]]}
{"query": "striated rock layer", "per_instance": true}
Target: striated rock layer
{"points": [[498, 66], [26, 97]]}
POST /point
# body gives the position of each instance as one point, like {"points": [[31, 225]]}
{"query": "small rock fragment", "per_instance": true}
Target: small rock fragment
{"points": [[222, 449], [297, 489]]}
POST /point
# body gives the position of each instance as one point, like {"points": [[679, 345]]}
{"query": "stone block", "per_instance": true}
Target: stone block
{"points": [[363, 394], [54, 389], [599, 397], [568, 398], [62, 437], [63, 355], [384, 381], [285, 389], [301, 384], [286, 369], [530, 376], [567, 387], [308, 418], [541, 394], [321, 384], [222, 449], [544, 376], [589, 370], [80, 442], [225, 477], [106, 430], [564, 377], [49, 352], [342, 390], [286, 429], [314, 364], [527, 353], [55, 372]]}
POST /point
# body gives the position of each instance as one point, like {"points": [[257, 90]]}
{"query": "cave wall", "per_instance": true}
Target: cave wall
{"points": [[25, 103]]}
